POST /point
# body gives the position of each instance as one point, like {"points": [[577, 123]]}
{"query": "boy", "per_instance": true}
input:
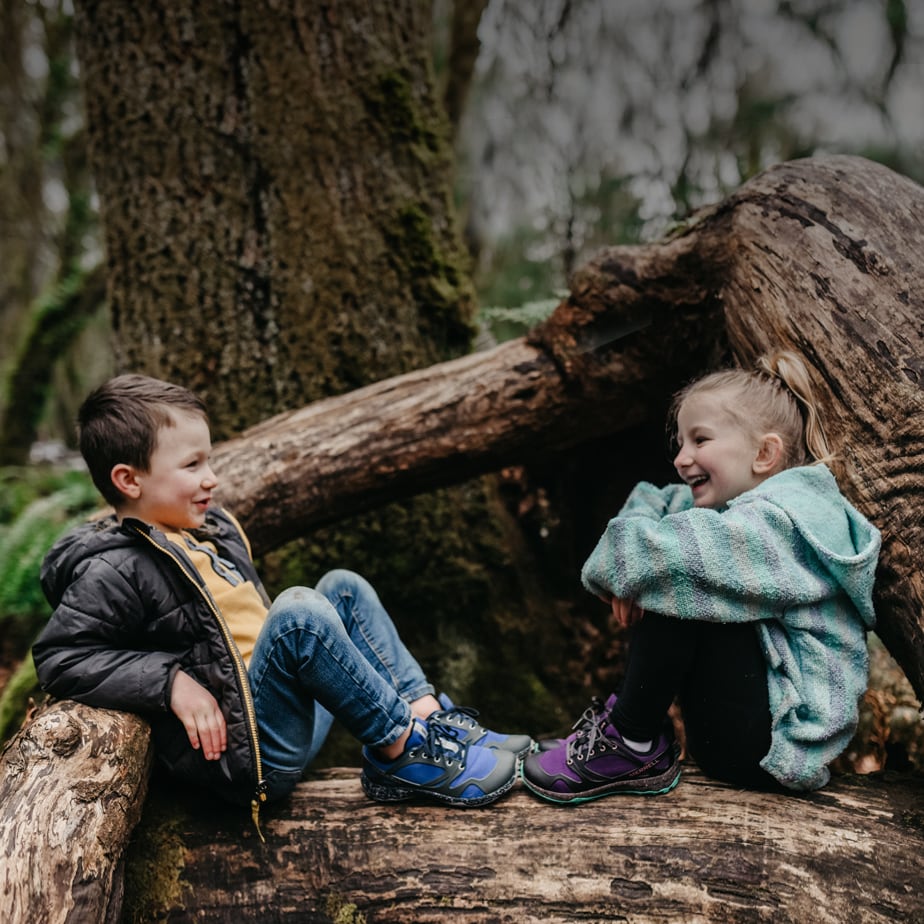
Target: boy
{"points": [[158, 610]]}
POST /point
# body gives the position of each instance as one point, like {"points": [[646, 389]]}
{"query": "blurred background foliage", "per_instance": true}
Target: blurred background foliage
{"points": [[588, 123]]}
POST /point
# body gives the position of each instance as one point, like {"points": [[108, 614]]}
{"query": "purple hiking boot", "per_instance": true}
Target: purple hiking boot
{"points": [[597, 762]]}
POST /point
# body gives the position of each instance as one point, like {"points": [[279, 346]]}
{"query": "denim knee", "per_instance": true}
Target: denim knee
{"points": [[299, 607], [339, 581]]}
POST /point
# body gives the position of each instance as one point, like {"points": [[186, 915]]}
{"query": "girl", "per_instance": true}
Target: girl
{"points": [[748, 588]]}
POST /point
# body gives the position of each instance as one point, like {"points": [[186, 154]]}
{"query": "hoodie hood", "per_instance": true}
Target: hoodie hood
{"points": [[845, 542]]}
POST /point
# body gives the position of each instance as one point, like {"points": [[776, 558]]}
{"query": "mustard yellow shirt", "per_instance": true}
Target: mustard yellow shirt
{"points": [[238, 599]]}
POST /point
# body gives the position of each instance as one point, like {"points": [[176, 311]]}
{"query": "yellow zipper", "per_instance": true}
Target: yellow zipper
{"points": [[241, 671]]}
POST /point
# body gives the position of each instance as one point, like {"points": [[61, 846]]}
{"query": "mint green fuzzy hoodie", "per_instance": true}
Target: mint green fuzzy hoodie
{"points": [[791, 555]]}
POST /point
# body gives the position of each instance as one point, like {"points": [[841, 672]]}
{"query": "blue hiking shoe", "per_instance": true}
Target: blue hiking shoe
{"points": [[597, 762], [597, 713], [436, 765], [462, 719]]}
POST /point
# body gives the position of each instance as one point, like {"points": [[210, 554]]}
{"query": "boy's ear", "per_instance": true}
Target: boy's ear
{"points": [[769, 454], [124, 478]]}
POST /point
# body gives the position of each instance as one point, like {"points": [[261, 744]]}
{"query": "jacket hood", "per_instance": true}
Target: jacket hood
{"points": [[88, 540], [844, 540]]}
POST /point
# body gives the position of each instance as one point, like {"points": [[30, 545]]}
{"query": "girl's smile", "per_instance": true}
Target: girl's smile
{"points": [[718, 457]]}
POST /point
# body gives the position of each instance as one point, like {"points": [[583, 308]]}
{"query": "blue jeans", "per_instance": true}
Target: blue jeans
{"points": [[327, 653]]}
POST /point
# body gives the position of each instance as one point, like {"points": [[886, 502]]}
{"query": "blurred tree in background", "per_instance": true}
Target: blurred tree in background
{"points": [[593, 123]]}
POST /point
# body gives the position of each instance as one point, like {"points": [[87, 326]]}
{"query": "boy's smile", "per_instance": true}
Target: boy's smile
{"points": [[176, 491]]}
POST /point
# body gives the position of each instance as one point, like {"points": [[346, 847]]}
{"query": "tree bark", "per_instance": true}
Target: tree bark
{"points": [[72, 787], [705, 852], [463, 53]]}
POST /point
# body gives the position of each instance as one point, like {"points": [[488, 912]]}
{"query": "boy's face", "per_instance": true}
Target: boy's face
{"points": [[717, 456], [176, 491]]}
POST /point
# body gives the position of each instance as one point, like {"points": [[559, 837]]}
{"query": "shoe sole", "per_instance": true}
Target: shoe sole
{"points": [[649, 786], [390, 792]]}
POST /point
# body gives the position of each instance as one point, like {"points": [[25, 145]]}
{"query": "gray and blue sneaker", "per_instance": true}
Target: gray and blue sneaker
{"points": [[462, 720], [437, 765]]}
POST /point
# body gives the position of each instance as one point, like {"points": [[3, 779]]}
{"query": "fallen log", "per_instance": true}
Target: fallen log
{"points": [[72, 787], [705, 852]]}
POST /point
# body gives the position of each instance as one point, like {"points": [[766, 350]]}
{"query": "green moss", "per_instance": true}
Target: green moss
{"points": [[14, 701], [154, 862], [390, 101], [342, 912], [436, 278]]}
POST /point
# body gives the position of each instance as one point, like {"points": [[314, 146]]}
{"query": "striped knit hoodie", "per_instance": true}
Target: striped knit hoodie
{"points": [[791, 555]]}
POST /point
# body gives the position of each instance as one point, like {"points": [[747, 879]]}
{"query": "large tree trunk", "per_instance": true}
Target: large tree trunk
{"points": [[276, 189]]}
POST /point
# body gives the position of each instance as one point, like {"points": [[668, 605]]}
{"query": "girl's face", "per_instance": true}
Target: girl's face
{"points": [[717, 458]]}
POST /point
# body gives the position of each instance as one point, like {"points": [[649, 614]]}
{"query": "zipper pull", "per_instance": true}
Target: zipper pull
{"points": [[259, 797]]}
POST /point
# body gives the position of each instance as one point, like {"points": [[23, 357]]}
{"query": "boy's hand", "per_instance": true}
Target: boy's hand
{"points": [[198, 710], [624, 613]]}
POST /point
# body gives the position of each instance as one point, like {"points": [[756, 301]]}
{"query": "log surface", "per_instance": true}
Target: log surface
{"points": [[72, 787], [704, 852]]}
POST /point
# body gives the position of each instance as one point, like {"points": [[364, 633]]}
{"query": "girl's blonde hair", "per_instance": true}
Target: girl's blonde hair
{"points": [[775, 397]]}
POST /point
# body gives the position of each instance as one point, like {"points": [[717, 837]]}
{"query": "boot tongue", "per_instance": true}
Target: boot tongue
{"points": [[610, 731], [418, 736]]}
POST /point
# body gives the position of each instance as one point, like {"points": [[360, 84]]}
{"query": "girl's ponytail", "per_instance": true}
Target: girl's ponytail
{"points": [[789, 370]]}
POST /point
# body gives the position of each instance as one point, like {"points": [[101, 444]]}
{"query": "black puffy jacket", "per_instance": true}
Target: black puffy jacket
{"points": [[130, 609]]}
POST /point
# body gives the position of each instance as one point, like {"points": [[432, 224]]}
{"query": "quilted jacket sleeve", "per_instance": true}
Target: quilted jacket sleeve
{"points": [[93, 648]]}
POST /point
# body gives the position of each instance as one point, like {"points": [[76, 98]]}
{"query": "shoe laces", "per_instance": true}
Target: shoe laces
{"points": [[592, 715], [584, 743], [441, 744], [466, 715]]}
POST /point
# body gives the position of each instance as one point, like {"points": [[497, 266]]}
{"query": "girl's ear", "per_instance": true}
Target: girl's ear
{"points": [[769, 454], [124, 478]]}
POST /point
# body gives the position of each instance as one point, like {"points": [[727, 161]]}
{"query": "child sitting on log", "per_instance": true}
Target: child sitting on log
{"points": [[748, 589], [158, 610]]}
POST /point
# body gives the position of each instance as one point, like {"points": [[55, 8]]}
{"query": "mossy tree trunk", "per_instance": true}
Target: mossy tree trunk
{"points": [[47, 293], [276, 190]]}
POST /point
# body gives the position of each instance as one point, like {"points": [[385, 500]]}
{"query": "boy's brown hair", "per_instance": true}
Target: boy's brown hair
{"points": [[119, 422]]}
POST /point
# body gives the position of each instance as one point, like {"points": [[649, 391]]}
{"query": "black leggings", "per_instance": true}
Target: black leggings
{"points": [[718, 673]]}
